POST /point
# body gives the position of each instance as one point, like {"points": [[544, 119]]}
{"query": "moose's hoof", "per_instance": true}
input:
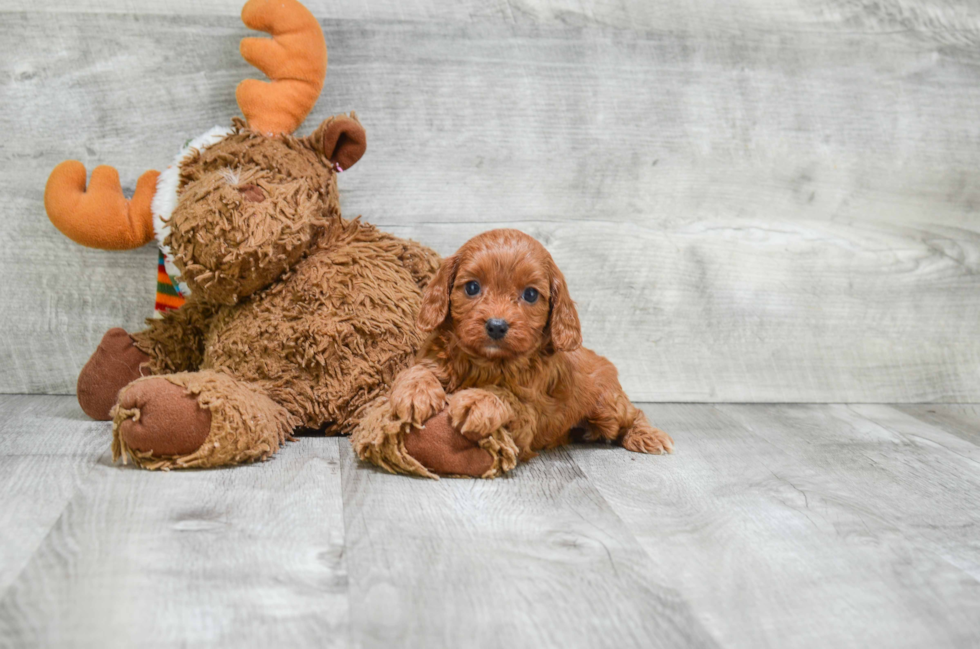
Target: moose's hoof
{"points": [[114, 365], [441, 449], [166, 419]]}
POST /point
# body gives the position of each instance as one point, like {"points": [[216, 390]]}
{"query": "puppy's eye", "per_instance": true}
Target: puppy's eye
{"points": [[472, 288], [530, 295]]}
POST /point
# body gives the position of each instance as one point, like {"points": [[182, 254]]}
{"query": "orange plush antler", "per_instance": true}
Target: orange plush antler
{"points": [[100, 217], [295, 60]]}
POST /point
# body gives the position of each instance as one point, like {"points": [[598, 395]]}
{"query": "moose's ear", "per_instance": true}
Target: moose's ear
{"points": [[342, 139]]}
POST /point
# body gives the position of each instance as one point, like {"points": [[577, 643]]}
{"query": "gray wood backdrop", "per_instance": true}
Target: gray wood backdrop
{"points": [[752, 200]]}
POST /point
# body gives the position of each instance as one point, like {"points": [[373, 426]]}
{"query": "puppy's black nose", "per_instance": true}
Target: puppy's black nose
{"points": [[497, 328]]}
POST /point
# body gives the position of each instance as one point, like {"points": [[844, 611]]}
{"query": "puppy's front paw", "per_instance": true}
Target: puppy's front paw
{"points": [[644, 438], [416, 401], [476, 413]]}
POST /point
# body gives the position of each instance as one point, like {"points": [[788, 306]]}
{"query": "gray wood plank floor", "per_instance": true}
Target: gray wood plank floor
{"points": [[772, 526]]}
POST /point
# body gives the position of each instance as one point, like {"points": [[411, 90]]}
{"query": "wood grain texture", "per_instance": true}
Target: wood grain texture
{"points": [[803, 526], [948, 21], [533, 559], [47, 448], [921, 490], [751, 202], [961, 419], [951, 426], [246, 557]]}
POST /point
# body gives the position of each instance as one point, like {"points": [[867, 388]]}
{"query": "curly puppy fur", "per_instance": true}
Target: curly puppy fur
{"points": [[504, 356], [297, 316]]}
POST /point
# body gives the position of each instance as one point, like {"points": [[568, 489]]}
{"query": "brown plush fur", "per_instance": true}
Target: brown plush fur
{"points": [[297, 316], [532, 387]]}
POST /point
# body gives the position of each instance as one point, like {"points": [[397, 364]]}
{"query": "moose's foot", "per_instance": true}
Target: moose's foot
{"points": [[445, 451], [196, 419], [435, 449], [160, 418], [115, 364]]}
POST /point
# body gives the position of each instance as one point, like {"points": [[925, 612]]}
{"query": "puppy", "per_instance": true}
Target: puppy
{"points": [[505, 354]]}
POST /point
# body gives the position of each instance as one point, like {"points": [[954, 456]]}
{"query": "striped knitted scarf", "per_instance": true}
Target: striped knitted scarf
{"points": [[169, 294]]}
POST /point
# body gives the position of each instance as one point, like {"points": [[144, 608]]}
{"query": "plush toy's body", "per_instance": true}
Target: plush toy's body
{"points": [[295, 317], [309, 351]]}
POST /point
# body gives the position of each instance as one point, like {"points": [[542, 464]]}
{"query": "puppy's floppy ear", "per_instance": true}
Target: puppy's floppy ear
{"points": [[566, 332], [435, 300]]}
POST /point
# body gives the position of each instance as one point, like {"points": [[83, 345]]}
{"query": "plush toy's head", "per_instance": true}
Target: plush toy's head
{"points": [[250, 206], [240, 206]]}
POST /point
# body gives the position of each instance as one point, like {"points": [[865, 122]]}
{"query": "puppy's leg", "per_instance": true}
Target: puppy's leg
{"points": [[416, 395], [496, 420], [641, 437], [615, 418], [477, 413]]}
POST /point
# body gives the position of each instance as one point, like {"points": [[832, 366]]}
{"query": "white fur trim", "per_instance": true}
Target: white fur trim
{"points": [[165, 199]]}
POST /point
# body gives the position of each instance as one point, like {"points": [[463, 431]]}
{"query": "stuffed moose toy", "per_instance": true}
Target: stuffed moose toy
{"points": [[278, 313]]}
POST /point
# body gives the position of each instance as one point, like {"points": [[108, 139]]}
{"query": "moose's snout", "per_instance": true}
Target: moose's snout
{"points": [[497, 328], [252, 193]]}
